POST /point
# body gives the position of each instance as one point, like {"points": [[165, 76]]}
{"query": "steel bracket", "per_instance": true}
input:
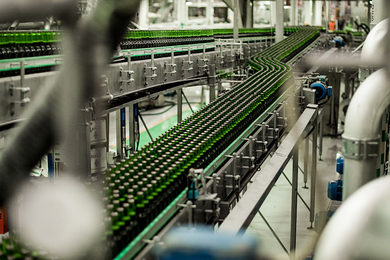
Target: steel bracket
{"points": [[361, 149]]}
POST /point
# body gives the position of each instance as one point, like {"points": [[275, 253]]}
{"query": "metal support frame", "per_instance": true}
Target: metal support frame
{"points": [[274, 233], [313, 174], [131, 128], [242, 214], [306, 163], [299, 195], [188, 103], [294, 203], [146, 127], [119, 135], [212, 82]]}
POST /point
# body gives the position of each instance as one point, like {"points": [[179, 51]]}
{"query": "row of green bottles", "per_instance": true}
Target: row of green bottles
{"points": [[19, 44], [139, 187], [137, 39]]}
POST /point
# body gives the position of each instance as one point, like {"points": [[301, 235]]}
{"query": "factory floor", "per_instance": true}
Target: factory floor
{"points": [[277, 207]]}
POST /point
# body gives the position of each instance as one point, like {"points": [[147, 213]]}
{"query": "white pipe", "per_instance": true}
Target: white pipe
{"points": [[279, 30], [294, 12], [362, 124], [364, 114], [359, 229]]}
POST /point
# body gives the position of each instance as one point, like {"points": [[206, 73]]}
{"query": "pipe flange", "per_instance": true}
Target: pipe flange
{"points": [[361, 149]]}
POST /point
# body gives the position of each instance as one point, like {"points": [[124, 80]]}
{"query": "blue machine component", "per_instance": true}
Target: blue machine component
{"points": [[204, 244], [339, 42], [321, 90], [335, 190], [193, 192], [340, 165]]}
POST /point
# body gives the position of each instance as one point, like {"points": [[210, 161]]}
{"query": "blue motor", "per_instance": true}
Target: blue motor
{"points": [[340, 165], [321, 90], [335, 190]]}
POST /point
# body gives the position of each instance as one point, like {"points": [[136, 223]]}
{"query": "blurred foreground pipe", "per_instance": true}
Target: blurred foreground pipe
{"points": [[360, 228], [55, 115]]}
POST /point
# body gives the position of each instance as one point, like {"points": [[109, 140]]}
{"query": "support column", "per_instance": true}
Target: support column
{"points": [[119, 143], [306, 163], [210, 12], [279, 30], [131, 128], [294, 12], [212, 82], [143, 14], [313, 175], [236, 18], [294, 203], [317, 13], [273, 13], [179, 105], [181, 11], [249, 14], [313, 13], [307, 10]]}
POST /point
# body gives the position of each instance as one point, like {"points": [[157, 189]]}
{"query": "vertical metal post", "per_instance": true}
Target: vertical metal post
{"points": [[22, 72], [86, 167], [212, 81], [123, 137], [279, 30], [306, 163], [294, 203], [333, 122], [108, 132], [249, 14], [131, 128], [179, 105], [313, 175], [202, 97], [219, 87], [236, 18], [320, 124], [119, 144]]}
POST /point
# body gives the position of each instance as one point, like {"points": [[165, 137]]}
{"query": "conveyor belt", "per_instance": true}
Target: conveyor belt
{"points": [[145, 183], [140, 187]]}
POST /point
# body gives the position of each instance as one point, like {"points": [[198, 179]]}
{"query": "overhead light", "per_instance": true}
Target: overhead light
{"points": [[188, 3]]}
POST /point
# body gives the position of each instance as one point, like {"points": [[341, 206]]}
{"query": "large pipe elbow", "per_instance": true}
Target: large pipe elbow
{"points": [[361, 135]]}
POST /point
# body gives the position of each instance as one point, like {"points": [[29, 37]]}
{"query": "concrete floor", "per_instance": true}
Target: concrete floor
{"points": [[277, 207]]}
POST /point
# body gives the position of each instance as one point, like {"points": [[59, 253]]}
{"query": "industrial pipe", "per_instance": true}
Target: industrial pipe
{"points": [[360, 228], [55, 116], [361, 136]]}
